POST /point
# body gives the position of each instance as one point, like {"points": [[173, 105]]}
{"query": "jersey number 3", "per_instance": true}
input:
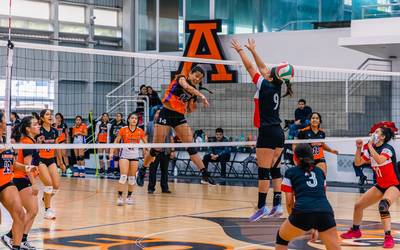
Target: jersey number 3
{"points": [[276, 101], [312, 180]]}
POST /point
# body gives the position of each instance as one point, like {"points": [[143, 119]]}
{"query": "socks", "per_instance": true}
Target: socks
{"points": [[262, 197], [387, 232], [129, 193], [120, 193], [24, 237], [355, 227], [277, 199]]}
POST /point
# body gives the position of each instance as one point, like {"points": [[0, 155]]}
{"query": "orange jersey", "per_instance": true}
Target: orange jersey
{"points": [[22, 153], [317, 148], [6, 166], [50, 137], [176, 97], [82, 129], [62, 133], [129, 136]]}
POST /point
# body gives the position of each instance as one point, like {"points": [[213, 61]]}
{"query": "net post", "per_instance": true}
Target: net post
{"points": [[94, 150], [7, 95]]}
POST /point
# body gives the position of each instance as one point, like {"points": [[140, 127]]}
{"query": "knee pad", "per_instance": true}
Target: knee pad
{"points": [[275, 173], [101, 157], [131, 180], [192, 151], [281, 241], [81, 158], [123, 178], [384, 205], [154, 152], [48, 189], [263, 174], [116, 158]]}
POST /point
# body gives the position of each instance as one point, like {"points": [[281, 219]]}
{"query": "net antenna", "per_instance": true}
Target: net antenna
{"points": [[7, 95]]}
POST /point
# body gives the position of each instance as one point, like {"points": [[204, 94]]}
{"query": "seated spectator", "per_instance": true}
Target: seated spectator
{"points": [[140, 105], [14, 118], [154, 101], [218, 154], [301, 118]]}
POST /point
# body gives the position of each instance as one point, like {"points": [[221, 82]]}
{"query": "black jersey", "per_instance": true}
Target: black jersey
{"points": [[115, 127], [48, 137], [317, 148], [267, 101], [308, 188], [102, 132]]}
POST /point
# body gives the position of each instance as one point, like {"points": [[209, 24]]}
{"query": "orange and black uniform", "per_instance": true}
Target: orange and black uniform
{"points": [[47, 156], [318, 150], [174, 104], [6, 169], [103, 133], [132, 137], [62, 133], [21, 180]]}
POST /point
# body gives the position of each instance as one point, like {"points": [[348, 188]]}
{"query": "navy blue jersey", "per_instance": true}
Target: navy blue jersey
{"points": [[308, 189], [267, 101], [114, 130], [308, 134]]}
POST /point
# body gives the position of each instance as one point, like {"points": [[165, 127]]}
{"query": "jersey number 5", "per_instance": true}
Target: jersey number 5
{"points": [[276, 101], [312, 182]]}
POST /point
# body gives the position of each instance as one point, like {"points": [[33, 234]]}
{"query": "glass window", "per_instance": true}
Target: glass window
{"points": [[106, 17], [69, 13], [235, 15], [147, 25], [73, 28], [169, 25], [197, 10], [24, 8]]}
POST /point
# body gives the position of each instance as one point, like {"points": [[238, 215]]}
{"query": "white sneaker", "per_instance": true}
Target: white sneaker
{"points": [[7, 241], [129, 200], [26, 245], [120, 201], [49, 214]]}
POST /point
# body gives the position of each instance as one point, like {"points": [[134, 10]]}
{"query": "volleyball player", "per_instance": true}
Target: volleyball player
{"points": [[181, 91], [382, 158], [62, 155], [270, 140], [129, 157], [48, 168], [117, 124], [79, 133], [306, 202], [314, 131], [9, 193], [101, 137]]}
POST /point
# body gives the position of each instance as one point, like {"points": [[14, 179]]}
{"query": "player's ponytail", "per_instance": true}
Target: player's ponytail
{"points": [[289, 90], [304, 155], [20, 129]]}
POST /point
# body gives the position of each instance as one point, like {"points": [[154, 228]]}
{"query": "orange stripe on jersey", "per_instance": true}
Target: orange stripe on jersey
{"points": [[177, 103], [129, 136]]}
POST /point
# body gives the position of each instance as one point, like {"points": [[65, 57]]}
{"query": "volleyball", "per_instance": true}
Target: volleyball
{"points": [[285, 71]]}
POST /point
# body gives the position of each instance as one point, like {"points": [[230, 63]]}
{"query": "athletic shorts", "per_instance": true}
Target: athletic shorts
{"points": [[22, 183], [318, 220], [383, 190], [170, 118], [48, 161], [321, 160], [270, 137], [129, 154], [6, 186]]}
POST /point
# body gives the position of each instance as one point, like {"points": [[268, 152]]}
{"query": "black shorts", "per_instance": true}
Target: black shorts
{"points": [[319, 221], [130, 160], [270, 137], [383, 190], [22, 183], [321, 160], [6, 186], [48, 161], [170, 118]]}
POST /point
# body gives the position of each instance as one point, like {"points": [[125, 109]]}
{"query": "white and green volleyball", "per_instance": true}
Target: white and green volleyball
{"points": [[285, 71]]}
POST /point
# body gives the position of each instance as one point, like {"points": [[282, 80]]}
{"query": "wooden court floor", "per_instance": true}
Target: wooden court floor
{"points": [[194, 216]]}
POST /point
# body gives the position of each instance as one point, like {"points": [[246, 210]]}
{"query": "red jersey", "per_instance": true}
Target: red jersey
{"points": [[386, 173]]}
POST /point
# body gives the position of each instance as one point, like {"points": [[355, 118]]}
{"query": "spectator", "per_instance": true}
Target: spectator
{"points": [[154, 101], [301, 118], [162, 159], [14, 118], [218, 154], [143, 94]]}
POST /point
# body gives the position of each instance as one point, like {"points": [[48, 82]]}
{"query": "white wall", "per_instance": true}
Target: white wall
{"points": [[307, 48]]}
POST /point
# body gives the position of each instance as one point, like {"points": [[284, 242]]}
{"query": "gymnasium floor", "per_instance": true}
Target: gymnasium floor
{"points": [[194, 216]]}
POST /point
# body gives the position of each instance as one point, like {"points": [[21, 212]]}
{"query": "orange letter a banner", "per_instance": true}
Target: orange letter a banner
{"points": [[203, 42]]}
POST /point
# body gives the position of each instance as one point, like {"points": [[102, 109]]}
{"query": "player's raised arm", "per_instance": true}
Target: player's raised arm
{"points": [[251, 46], [245, 59]]}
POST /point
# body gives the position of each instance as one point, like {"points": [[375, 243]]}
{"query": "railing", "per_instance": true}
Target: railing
{"points": [[296, 22], [380, 10]]}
